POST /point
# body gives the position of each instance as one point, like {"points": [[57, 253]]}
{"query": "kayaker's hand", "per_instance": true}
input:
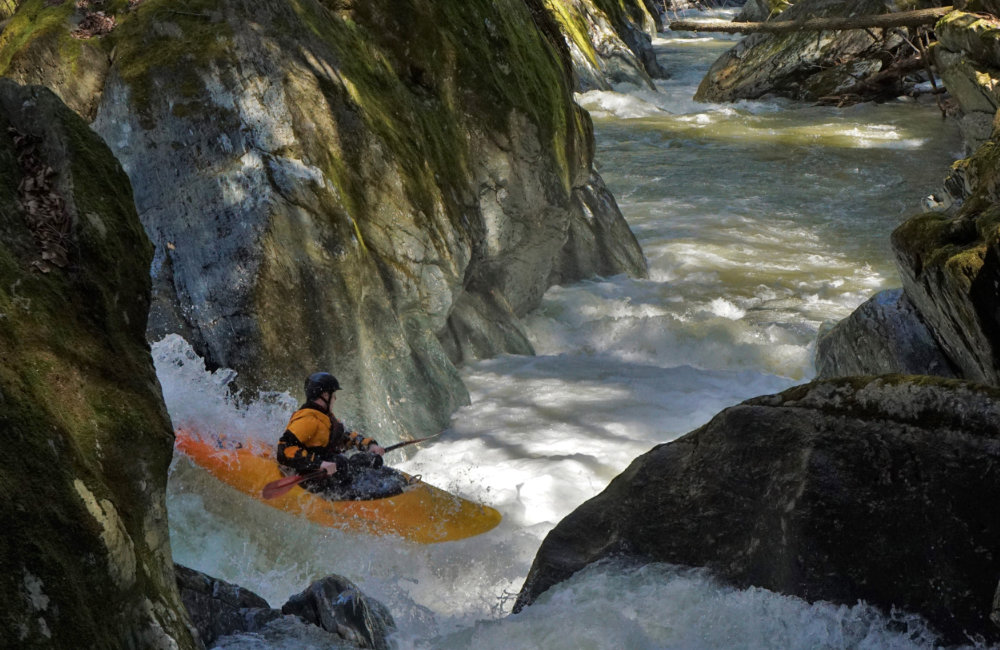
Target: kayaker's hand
{"points": [[328, 467], [376, 449]]}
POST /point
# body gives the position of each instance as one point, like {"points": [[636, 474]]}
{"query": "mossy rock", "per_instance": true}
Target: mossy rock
{"points": [[950, 265], [87, 556]]}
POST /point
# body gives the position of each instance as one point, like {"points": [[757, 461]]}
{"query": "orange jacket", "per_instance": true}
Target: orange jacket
{"points": [[313, 436]]}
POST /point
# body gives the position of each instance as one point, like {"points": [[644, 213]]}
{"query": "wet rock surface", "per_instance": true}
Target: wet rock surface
{"points": [[229, 616], [219, 608]]}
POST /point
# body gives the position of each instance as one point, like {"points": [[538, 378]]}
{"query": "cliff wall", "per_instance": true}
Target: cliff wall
{"points": [[381, 189]]}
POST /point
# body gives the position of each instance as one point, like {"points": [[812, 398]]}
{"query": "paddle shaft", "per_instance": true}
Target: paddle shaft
{"points": [[275, 489]]}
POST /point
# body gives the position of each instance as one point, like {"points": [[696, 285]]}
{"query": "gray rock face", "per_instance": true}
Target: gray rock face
{"points": [[86, 551], [883, 336], [354, 188], [880, 489], [967, 57]]}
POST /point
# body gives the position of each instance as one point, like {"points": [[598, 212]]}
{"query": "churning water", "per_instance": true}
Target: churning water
{"points": [[760, 220]]}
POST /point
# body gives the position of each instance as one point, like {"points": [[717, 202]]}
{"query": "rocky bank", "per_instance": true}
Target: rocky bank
{"points": [[834, 66]]}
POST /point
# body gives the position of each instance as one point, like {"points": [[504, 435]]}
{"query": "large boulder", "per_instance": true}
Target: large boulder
{"points": [[808, 65], [883, 336], [349, 186], [950, 267], [86, 550], [880, 489]]}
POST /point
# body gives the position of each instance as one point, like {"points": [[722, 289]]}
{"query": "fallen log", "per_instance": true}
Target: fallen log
{"points": [[914, 18]]}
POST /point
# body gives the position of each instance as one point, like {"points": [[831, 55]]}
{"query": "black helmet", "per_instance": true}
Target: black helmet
{"points": [[319, 383]]}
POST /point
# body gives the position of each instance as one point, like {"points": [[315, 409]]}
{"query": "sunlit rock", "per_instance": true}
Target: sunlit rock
{"points": [[608, 42], [967, 57], [807, 65], [883, 336], [85, 553], [950, 267], [342, 185], [879, 489]]}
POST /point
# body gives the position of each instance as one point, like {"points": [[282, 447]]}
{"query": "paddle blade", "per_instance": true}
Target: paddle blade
{"points": [[275, 489]]}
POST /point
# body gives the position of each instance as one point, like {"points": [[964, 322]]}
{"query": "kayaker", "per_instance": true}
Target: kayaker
{"points": [[315, 439]]}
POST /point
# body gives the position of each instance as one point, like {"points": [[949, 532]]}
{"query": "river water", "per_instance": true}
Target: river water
{"points": [[760, 221]]}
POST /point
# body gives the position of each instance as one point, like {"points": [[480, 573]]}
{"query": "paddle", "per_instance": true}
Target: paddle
{"points": [[275, 489]]}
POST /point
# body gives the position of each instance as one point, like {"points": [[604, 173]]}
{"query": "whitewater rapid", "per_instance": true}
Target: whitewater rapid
{"points": [[760, 221]]}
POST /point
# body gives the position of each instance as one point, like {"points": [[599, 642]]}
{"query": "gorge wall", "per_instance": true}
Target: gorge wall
{"points": [[380, 189]]}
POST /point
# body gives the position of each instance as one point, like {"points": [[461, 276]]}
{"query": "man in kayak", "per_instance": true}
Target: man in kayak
{"points": [[315, 439]]}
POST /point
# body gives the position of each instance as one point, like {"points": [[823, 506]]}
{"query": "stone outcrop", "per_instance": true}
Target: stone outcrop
{"points": [[609, 42], [879, 489], [86, 550], [883, 336], [948, 258], [349, 186], [808, 65]]}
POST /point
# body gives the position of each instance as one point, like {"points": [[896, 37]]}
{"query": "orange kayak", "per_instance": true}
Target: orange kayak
{"points": [[422, 513]]}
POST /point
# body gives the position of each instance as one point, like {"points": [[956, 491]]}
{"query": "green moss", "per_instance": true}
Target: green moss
{"points": [[423, 73], [162, 45], [574, 26], [33, 20]]}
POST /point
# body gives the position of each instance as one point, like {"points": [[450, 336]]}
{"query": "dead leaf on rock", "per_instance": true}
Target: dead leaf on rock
{"points": [[44, 209], [93, 25]]}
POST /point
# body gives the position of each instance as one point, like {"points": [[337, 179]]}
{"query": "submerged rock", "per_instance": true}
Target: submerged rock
{"points": [[883, 336], [349, 186], [879, 489], [229, 616], [86, 550]]}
